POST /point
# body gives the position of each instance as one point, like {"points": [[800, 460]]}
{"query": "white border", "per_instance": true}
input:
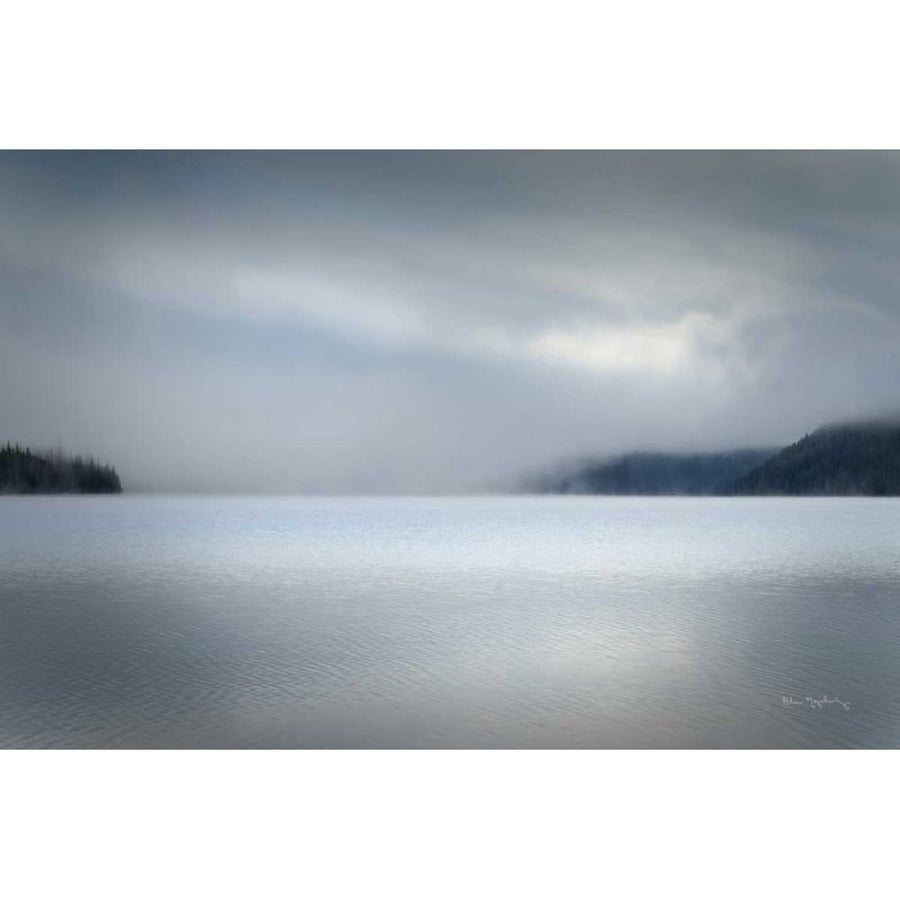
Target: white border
{"points": [[441, 824], [469, 74]]}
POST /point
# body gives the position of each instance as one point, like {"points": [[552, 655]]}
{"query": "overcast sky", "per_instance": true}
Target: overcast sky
{"points": [[421, 321]]}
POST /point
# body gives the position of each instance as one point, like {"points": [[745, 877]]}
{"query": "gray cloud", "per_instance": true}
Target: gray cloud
{"points": [[437, 321]]}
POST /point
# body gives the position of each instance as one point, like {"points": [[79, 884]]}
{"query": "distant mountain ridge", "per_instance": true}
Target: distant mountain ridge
{"points": [[854, 458], [49, 472], [655, 474]]}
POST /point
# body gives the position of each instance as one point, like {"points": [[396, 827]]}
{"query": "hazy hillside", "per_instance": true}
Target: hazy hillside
{"points": [[862, 458], [24, 472], [654, 473]]}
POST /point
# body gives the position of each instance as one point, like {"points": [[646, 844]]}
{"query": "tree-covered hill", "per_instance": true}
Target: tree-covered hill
{"points": [[654, 473], [861, 458], [24, 472]]}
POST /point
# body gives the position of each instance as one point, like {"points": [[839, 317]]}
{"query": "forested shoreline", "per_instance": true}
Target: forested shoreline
{"points": [[835, 460], [838, 460], [853, 459], [53, 472]]}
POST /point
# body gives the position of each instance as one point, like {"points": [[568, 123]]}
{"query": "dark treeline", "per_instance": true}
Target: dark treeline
{"points": [[654, 473], [51, 472], [838, 459], [851, 459]]}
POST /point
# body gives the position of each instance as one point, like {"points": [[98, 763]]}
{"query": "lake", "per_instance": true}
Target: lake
{"points": [[515, 622]]}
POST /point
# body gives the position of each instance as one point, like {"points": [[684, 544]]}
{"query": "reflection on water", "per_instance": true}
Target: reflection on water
{"points": [[452, 622]]}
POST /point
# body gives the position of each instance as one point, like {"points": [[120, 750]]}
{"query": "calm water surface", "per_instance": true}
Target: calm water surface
{"points": [[453, 622]]}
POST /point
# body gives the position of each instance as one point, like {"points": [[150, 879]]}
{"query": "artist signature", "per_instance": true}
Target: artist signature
{"points": [[813, 702]]}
